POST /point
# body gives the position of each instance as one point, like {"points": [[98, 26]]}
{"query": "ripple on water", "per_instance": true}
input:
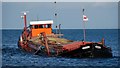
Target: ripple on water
{"points": [[13, 56]]}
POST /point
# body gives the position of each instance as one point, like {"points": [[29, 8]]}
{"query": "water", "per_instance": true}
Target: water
{"points": [[12, 56]]}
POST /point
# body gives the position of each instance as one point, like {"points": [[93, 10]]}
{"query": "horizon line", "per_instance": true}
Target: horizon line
{"points": [[63, 28]]}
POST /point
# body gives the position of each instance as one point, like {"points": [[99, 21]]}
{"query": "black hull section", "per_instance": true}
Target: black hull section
{"points": [[94, 50], [91, 52]]}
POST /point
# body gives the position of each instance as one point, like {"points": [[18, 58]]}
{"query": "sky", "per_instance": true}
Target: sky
{"points": [[101, 15]]}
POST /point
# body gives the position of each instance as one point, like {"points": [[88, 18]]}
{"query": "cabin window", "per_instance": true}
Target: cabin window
{"points": [[44, 25], [49, 25], [36, 26], [33, 26], [40, 26], [30, 26]]}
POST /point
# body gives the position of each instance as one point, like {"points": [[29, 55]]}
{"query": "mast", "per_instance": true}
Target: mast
{"points": [[24, 17], [56, 30], [59, 30], [25, 22], [56, 22], [84, 31]]}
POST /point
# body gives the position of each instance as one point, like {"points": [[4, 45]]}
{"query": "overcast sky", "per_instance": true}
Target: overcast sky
{"points": [[101, 15]]}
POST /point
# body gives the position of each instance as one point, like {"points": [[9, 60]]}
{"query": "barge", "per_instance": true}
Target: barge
{"points": [[38, 38]]}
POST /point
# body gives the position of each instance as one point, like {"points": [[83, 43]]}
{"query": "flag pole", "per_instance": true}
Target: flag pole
{"points": [[84, 31]]}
